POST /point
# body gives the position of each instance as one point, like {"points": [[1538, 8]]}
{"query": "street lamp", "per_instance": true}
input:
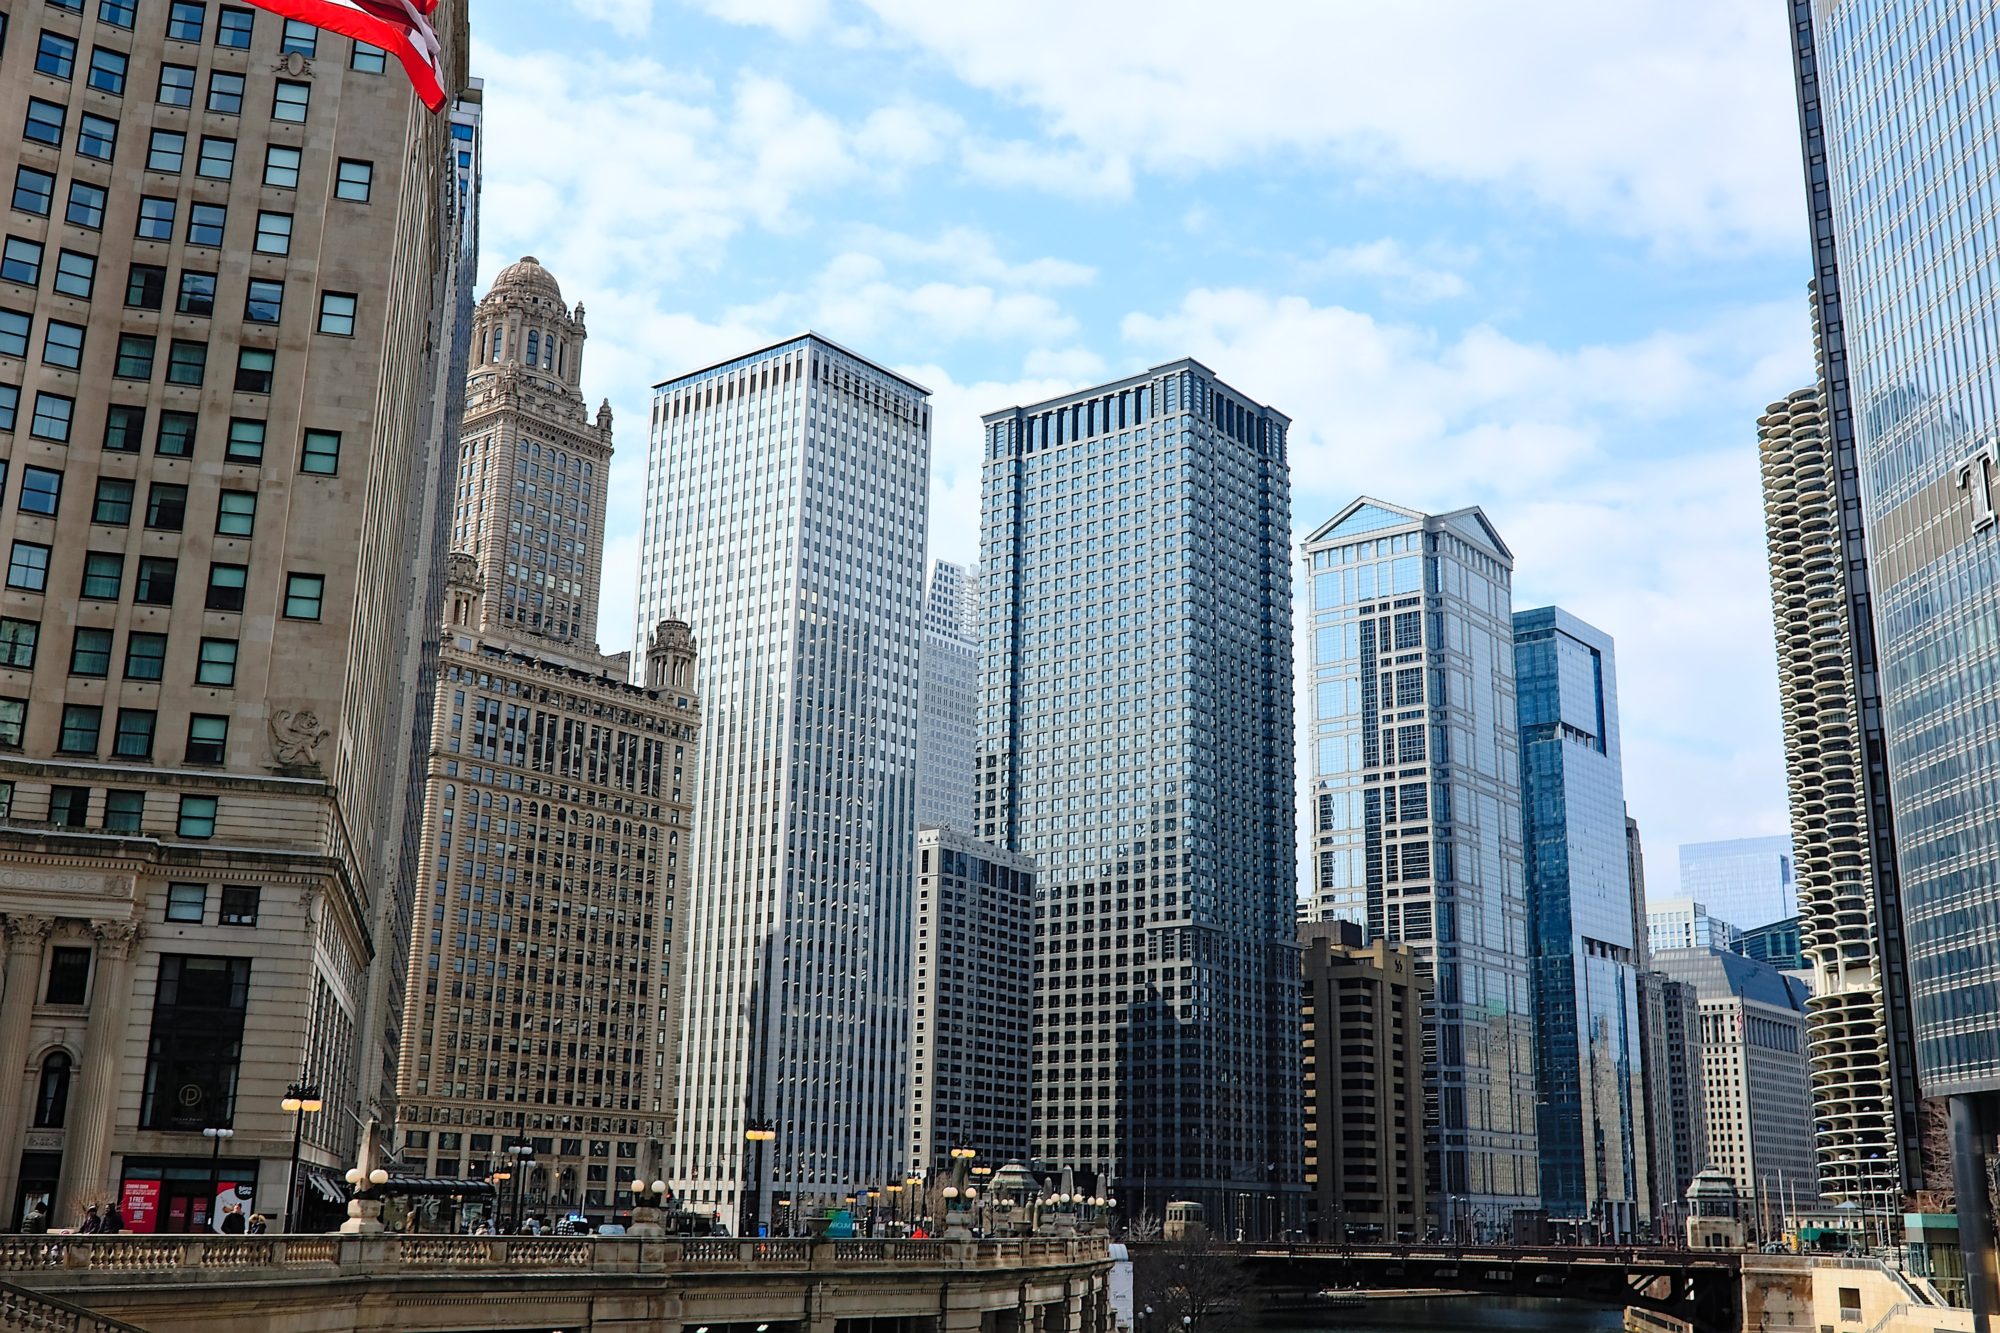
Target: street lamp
{"points": [[874, 1195], [216, 1135], [301, 1100], [520, 1156], [646, 1201], [759, 1132]]}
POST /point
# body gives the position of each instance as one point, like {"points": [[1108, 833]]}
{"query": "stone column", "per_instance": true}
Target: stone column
{"points": [[25, 938], [93, 1099]]}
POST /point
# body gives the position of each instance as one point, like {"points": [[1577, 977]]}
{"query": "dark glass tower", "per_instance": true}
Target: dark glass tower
{"points": [[1136, 740]]}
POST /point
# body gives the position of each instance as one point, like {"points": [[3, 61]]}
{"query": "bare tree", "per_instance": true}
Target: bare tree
{"points": [[1144, 1227], [1191, 1287]]}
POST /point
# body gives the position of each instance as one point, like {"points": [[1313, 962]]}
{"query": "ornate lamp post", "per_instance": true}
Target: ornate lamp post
{"points": [[216, 1135], [520, 1155], [646, 1201], [759, 1132], [301, 1100], [874, 1197]]}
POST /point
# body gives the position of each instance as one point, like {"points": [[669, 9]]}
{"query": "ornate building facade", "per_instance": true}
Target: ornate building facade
{"points": [[221, 341], [543, 977]]}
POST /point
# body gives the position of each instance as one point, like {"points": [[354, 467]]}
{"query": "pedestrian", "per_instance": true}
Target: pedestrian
{"points": [[259, 1224], [36, 1223], [232, 1219], [91, 1224], [114, 1221]]}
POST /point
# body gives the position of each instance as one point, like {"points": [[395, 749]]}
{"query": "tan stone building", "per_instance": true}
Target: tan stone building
{"points": [[543, 977], [229, 247], [1364, 1085]]}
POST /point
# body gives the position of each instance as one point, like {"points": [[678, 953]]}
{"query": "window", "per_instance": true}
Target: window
{"points": [[187, 902], [156, 219], [265, 302], [196, 1043], [303, 594], [96, 136], [145, 656], [62, 344], [246, 441], [69, 807], [274, 233], [41, 490], [80, 725], [114, 502], [197, 294], [254, 367], [217, 665], [124, 428], [225, 93], [218, 157], [55, 55], [166, 150], [368, 59], [239, 904], [197, 817], [21, 261], [44, 123], [121, 13], [322, 453], [107, 70], [17, 643], [232, 28], [52, 1091], [176, 85], [336, 313], [10, 408], [225, 586], [28, 567], [86, 206], [13, 720], [103, 574], [69, 975], [208, 737], [135, 358], [90, 653], [289, 103], [155, 585], [53, 412], [187, 362], [145, 287], [134, 737], [76, 274], [300, 36], [124, 811], [185, 20], [166, 506], [176, 437], [34, 191], [14, 326], [236, 515], [281, 167], [205, 224]]}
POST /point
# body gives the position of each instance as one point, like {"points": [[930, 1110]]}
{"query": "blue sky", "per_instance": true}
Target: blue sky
{"points": [[1543, 257]]}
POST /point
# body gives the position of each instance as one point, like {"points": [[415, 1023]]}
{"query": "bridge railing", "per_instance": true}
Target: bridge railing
{"points": [[54, 1259], [33, 1312]]}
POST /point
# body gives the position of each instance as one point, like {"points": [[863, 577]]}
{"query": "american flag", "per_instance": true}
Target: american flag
{"points": [[401, 27]]}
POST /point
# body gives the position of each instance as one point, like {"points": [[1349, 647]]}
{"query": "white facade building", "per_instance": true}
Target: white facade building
{"points": [[948, 674], [1683, 923], [786, 499]]}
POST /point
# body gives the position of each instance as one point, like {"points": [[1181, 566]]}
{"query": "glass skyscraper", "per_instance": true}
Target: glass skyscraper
{"points": [[786, 496], [1136, 740], [1584, 957], [1416, 802], [1744, 881]]}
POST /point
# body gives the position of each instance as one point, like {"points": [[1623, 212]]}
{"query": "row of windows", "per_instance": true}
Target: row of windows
{"points": [[235, 26], [133, 733], [187, 359], [104, 574], [91, 652], [35, 190], [125, 429]]}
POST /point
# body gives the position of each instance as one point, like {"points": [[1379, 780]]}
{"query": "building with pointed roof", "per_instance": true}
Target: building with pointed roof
{"points": [[1416, 809]]}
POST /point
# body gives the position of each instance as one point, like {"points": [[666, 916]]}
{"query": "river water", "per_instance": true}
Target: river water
{"points": [[1450, 1314]]}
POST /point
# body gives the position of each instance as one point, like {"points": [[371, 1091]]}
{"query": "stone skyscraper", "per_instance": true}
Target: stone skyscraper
{"points": [[786, 497], [1585, 956], [1136, 740], [544, 966], [948, 690], [1416, 802]]}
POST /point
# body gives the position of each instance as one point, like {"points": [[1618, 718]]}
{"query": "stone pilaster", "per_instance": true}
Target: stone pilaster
{"points": [[93, 1101], [26, 938]]}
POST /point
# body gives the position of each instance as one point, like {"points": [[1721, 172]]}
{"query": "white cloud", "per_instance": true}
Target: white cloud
{"points": [[1392, 267], [793, 18], [631, 18], [970, 254], [1023, 164]]}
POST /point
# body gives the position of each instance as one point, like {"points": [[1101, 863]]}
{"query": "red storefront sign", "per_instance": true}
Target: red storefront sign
{"points": [[140, 1203]]}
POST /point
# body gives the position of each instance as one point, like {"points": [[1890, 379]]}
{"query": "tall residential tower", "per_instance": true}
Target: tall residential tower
{"points": [[948, 697], [1136, 740]]}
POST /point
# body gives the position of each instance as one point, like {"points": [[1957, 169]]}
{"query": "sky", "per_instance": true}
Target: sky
{"points": [[1547, 257]]}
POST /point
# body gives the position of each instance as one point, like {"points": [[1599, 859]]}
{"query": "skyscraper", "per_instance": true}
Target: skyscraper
{"points": [[557, 798], [786, 495], [1905, 96], [1744, 881], [225, 307], [948, 695], [1676, 1119], [1591, 1114], [1417, 818], [1136, 740]]}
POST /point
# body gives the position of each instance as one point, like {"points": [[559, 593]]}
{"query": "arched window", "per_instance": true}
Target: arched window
{"points": [[52, 1096], [534, 346]]}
